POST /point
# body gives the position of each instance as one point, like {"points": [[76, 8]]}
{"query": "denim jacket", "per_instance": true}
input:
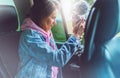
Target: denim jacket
{"points": [[37, 57]]}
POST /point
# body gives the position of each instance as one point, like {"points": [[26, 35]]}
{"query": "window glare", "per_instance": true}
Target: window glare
{"points": [[7, 2], [66, 7]]}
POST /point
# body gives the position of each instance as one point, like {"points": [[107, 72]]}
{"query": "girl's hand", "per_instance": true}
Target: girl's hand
{"points": [[78, 28]]}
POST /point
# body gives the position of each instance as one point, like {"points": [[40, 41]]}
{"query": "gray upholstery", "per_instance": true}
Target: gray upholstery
{"points": [[8, 18], [9, 39]]}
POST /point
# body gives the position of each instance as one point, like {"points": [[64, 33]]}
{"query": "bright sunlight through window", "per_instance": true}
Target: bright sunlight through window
{"points": [[66, 6]]}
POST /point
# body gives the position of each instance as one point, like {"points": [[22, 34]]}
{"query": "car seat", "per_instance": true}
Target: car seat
{"points": [[9, 39], [100, 59]]}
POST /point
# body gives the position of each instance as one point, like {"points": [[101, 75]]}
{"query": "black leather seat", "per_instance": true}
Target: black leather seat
{"points": [[102, 54], [9, 39]]}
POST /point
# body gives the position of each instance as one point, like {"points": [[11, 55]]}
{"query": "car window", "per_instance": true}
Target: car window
{"points": [[6, 2], [58, 30], [67, 11], [67, 6]]}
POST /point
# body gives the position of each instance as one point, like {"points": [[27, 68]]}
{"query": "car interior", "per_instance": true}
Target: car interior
{"points": [[9, 39], [101, 55]]}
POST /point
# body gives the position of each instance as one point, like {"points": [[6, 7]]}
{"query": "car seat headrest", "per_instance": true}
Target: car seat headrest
{"points": [[8, 18], [108, 20]]}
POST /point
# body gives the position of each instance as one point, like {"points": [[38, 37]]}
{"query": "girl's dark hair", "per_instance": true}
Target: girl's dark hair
{"points": [[42, 9]]}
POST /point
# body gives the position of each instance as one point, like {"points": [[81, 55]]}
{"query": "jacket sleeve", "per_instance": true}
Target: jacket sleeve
{"points": [[39, 50]]}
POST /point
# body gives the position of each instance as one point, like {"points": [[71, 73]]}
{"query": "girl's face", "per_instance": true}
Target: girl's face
{"points": [[48, 22]]}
